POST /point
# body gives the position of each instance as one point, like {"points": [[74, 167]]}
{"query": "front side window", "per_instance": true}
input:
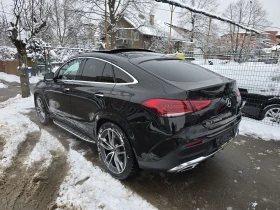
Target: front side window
{"points": [[121, 76], [69, 70], [93, 70]]}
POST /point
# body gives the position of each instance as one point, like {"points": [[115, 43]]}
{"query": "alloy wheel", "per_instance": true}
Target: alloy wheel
{"points": [[273, 115], [40, 109], [112, 150]]}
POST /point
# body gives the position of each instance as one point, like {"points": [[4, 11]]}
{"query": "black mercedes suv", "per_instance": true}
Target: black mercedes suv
{"points": [[143, 109]]}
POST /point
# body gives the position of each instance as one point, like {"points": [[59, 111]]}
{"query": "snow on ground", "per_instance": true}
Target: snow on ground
{"points": [[2, 86], [85, 187], [259, 130], [9, 77], [14, 78], [88, 187], [42, 151], [14, 127], [256, 77]]}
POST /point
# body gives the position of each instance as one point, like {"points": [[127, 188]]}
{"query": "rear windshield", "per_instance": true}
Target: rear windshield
{"points": [[178, 70]]}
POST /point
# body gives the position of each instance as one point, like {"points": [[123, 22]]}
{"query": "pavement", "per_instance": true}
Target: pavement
{"points": [[245, 175]]}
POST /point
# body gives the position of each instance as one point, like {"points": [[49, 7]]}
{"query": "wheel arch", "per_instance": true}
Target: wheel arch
{"points": [[114, 118], [271, 103], [36, 93], [119, 121]]}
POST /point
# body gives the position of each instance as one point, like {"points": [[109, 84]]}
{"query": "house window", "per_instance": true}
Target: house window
{"points": [[122, 34], [136, 36]]}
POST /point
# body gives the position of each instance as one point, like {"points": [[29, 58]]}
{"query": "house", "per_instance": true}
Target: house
{"points": [[143, 31], [265, 39], [273, 37], [188, 45]]}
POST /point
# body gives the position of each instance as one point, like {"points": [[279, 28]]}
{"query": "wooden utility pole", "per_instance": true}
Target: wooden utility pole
{"points": [[105, 28], [172, 8], [232, 39], [206, 49]]}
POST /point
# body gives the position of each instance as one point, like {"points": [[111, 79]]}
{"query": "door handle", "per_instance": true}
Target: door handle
{"points": [[99, 95], [66, 90]]}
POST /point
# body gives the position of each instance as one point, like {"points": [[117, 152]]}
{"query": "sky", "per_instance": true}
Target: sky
{"points": [[163, 13], [272, 7]]}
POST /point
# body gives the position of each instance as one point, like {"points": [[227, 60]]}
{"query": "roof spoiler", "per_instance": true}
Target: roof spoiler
{"points": [[124, 50]]}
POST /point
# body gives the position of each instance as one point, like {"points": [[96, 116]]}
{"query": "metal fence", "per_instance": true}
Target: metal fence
{"points": [[258, 79]]}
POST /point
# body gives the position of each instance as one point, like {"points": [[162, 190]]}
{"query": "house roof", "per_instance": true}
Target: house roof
{"points": [[275, 47], [158, 29]]}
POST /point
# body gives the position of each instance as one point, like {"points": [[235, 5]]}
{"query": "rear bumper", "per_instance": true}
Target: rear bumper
{"points": [[193, 163], [184, 158]]}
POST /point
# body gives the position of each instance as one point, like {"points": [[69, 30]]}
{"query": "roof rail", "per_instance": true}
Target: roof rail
{"points": [[125, 50]]}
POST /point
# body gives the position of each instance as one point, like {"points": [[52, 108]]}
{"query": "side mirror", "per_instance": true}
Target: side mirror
{"points": [[49, 76]]}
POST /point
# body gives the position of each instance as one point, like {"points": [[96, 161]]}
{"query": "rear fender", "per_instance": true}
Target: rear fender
{"points": [[120, 121]]}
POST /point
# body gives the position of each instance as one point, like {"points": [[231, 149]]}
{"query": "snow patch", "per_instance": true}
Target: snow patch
{"points": [[2, 86], [14, 127], [259, 130], [264, 78], [87, 187], [42, 150], [13, 78], [9, 77], [253, 204]]}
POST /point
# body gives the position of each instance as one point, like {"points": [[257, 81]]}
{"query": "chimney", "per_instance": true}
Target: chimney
{"points": [[152, 19]]}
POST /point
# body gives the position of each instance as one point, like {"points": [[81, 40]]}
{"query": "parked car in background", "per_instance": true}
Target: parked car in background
{"points": [[143, 109], [259, 106]]}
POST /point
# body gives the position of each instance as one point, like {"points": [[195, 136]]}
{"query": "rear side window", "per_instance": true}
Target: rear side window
{"points": [[178, 70], [121, 76], [108, 75], [93, 70]]}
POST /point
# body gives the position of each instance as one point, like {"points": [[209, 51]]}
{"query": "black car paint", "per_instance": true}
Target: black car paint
{"points": [[256, 103], [158, 142]]}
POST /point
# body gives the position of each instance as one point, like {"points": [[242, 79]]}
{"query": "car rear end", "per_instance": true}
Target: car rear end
{"points": [[189, 125]]}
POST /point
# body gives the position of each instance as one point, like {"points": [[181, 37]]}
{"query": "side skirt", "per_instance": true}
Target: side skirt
{"points": [[74, 131]]}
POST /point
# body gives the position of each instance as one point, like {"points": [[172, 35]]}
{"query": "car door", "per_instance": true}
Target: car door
{"points": [[57, 95], [91, 93]]}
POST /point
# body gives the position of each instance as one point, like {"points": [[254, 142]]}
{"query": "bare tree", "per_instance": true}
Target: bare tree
{"points": [[65, 21], [116, 9], [197, 22], [4, 25], [249, 13], [29, 17]]}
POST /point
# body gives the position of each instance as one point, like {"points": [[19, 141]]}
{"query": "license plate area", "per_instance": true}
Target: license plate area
{"points": [[224, 139]]}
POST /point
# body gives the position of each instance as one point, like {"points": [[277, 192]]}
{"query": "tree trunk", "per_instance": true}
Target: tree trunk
{"points": [[24, 78], [242, 45], [193, 22], [113, 39]]}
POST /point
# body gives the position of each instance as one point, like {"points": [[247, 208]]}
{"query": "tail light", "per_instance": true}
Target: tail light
{"points": [[194, 143], [173, 108]]}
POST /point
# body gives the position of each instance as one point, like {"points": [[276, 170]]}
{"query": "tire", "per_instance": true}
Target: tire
{"points": [[269, 110], [41, 110], [115, 152]]}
